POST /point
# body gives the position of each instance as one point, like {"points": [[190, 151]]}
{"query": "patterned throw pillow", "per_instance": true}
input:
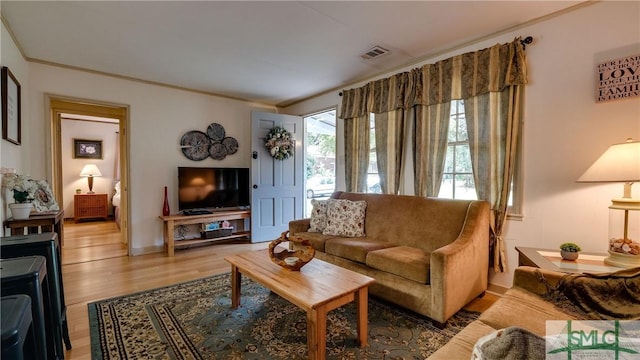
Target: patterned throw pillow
{"points": [[318, 216], [345, 218]]}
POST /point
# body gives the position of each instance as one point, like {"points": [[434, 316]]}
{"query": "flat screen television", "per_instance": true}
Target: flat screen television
{"points": [[207, 188]]}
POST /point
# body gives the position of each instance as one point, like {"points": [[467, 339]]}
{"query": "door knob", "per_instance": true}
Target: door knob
{"points": [[255, 186], [255, 155]]}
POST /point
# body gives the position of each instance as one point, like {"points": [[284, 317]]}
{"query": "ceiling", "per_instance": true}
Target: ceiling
{"points": [[270, 52]]}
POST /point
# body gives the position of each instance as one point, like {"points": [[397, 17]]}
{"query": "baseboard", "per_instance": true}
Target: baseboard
{"points": [[147, 250]]}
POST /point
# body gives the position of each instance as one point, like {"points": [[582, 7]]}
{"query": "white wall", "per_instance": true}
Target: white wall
{"points": [[159, 116], [565, 130], [71, 167]]}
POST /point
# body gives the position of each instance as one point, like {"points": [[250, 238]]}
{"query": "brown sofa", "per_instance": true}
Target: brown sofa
{"points": [[428, 255], [533, 299]]}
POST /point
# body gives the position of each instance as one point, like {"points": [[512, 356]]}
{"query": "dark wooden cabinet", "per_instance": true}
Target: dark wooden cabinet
{"points": [[90, 206]]}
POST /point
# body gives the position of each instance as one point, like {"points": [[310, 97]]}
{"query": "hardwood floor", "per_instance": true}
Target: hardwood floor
{"points": [[89, 241], [90, 280]]}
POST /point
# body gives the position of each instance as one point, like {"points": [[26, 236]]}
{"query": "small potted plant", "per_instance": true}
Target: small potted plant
{"points": [[569, 251], [21, 186]]}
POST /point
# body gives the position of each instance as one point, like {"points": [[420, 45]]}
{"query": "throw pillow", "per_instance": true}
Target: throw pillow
{"points": [[318, 216], [345, 218]]}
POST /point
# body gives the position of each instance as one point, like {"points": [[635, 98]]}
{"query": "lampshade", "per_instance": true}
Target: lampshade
{"points": [[90, 170], [620, 163]]}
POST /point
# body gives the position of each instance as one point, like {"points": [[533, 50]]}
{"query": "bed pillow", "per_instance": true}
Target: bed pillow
{"points": [[345, 218], [318, 216]]}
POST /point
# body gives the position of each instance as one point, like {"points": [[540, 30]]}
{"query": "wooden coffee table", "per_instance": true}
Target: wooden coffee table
{"points": [[317, 288]]}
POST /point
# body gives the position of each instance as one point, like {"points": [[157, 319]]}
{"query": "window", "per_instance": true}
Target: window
{"points": [[457, 179], [373, 179]]}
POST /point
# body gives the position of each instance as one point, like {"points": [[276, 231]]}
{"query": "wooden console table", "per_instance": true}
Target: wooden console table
{"points": [[39, 223], [171, 221], [551, 260]]}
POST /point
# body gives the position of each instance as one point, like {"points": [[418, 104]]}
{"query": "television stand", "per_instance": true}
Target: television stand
{"points": [[171, 221]]}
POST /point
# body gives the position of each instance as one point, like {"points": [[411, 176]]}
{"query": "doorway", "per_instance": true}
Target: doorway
{"points": [[320, 156], [76, 124]]}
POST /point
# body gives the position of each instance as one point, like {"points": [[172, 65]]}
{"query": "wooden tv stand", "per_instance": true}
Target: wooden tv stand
{"points": [[171, 221]]}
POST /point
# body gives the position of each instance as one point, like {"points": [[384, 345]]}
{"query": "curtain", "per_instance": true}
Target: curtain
{"points": [[356, 133], [491, 83], [116, 162], [430, 147], [386, 97], [493, 124], [389, 146]]}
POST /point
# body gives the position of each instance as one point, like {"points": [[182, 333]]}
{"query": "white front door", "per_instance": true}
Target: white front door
{"points": [[278, 185]]}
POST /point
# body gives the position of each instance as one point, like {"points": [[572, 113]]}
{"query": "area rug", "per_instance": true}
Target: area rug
{"points": [[194, 320]]}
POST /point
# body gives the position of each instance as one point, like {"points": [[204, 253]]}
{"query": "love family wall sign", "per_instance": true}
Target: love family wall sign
{"points": [[618, 78]]}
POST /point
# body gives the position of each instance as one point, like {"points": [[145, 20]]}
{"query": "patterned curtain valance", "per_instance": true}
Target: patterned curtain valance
{"points": [[459, 77]]}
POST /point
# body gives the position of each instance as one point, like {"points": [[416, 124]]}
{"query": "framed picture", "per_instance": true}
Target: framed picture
{"points": [[10, 88], [87, 149]]}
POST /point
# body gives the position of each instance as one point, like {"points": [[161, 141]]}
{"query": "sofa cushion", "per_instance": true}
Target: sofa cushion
{"points": [[317, 240], [354, 249], [318, 215], [407, 262], [345, 218]]}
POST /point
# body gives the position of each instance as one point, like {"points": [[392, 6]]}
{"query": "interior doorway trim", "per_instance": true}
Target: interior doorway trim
{"points": [[58, 105]]}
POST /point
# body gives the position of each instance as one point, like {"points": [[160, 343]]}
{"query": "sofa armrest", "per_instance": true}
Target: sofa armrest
{"points": [[535, 280], [460, 270], [300, 225]]}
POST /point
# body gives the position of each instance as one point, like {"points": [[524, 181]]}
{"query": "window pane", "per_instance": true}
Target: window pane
{"points": [[462, 129], [463, 159], [464, 187], [446, 187], [451, 134], [449, 160]]}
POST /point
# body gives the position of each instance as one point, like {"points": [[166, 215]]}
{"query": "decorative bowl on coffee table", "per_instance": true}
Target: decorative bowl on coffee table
{"points": [[292, 256]]}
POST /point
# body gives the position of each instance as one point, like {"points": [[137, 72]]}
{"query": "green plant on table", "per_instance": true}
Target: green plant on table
{"points": [[570, 247]]}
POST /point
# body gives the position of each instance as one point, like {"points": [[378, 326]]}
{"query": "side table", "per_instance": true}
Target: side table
{"points": [[550, 259], [45, 244], [36, 223], [90, 206]]}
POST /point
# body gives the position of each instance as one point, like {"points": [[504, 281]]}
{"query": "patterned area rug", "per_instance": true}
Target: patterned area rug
{"points": [[194, 320]]}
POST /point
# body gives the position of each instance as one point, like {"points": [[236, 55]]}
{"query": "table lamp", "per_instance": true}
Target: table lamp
{"points": [[620, 163], [90, 171]]}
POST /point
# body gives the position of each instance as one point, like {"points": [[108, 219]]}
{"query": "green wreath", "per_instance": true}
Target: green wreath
{"points": [[279, 143]]}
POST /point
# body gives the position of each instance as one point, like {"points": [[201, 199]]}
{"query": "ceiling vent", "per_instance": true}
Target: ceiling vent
{"points": [[374, 52]]}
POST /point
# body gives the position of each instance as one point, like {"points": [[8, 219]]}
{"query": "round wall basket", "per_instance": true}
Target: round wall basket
{"points": [[197, 145]]}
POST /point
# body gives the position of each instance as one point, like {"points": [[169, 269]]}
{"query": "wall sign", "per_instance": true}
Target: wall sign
{"points": [[618, 78]]}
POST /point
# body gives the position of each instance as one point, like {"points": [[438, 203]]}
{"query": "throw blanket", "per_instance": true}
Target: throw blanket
{"points": [[512, 343], [599, 296]]}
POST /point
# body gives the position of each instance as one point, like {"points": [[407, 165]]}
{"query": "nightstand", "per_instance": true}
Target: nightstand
{"points": [[90, 206]]}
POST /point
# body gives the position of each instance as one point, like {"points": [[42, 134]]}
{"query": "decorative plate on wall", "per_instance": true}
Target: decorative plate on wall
{"points": [[217, 151], [195, 145], [216, 132], [231, 144]]}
